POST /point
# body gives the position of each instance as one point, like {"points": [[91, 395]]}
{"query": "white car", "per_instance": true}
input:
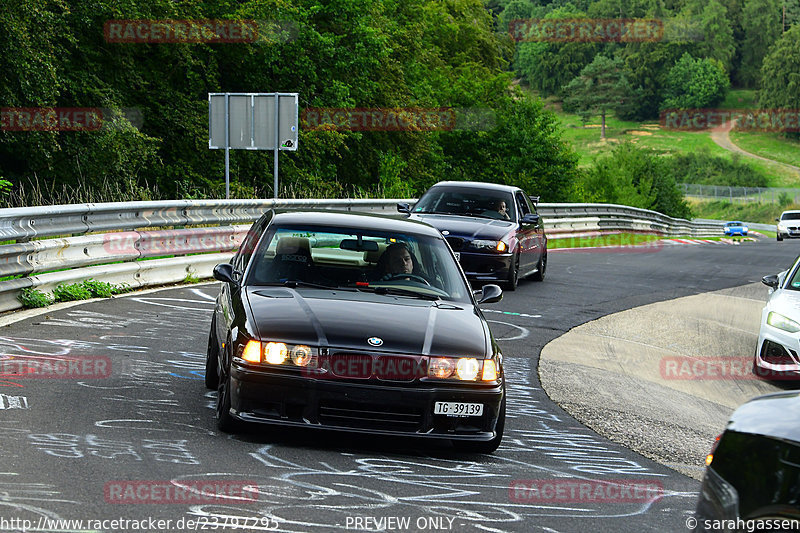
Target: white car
{"points": [[776, 355], [788, 225]]}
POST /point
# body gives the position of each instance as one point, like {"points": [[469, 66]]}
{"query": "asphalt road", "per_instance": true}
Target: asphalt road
{"points": [[97, 447]]}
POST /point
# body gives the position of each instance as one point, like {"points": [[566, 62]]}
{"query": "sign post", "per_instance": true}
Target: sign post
{"points": [[252, 121]]}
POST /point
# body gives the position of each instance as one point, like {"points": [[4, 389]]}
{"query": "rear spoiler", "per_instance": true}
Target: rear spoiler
{"points": [[534, 199]]}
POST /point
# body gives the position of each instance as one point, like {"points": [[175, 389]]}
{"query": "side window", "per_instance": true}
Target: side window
{"points": [[522, 204], [249, 243]]}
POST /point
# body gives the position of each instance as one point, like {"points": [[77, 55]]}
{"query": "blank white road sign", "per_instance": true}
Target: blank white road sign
{"points": [[251, 118]]}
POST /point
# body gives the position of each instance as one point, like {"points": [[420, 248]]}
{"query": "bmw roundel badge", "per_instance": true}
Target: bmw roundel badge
{"points": [[375, 341]]}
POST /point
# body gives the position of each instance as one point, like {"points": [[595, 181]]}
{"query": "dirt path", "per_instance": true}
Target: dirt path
{"points": [[721, 136]]}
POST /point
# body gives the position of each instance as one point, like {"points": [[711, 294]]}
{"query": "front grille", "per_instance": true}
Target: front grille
{"points": [[383, 367], [369, 416], [776, 354]]}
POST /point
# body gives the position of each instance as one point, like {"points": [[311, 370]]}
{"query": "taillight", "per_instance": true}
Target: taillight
{"points": [[710, 456]]}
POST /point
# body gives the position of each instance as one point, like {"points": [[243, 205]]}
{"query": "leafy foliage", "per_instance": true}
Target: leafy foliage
{"points": [[600, 88], [32, 298], [780, 88], [101, 289], [636, 177], [704, 168], [340, 53], [69, 292], [695, 84]]}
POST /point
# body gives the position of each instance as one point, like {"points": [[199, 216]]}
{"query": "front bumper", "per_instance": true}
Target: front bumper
{"points": [[374, 408], [486, 267], [777, 353]]}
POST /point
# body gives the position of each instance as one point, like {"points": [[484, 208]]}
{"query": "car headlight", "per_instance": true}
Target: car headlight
{"points": [[745, 229], [781, 227], [494, 246], [782, 322], [463, 369], [278, 353]]}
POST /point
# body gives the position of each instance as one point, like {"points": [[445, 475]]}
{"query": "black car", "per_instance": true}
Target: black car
{"points": [[354, 322], [754, 469], [494, 229]]}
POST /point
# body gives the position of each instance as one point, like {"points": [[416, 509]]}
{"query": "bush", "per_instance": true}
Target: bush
{"points": [[31, 298], [101, 289], [706, 169], [636, 177], [695, 84], [74, 291]]}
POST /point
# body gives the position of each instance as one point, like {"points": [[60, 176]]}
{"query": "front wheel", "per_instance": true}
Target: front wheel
{"points": [[212, 361], [541, 268], [488, 446], [225, 422], [513, 274], [780, 238]]}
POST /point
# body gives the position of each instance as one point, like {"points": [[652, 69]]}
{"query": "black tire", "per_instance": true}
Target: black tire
{"points": [[541, 268], [488, 446], [225, 422], [513, 275], [212, 361], [780, 238]]}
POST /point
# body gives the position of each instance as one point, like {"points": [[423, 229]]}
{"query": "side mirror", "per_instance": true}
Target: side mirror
{"points": [[531, 218], [490, 294], [224, 272], [403, 207], [770, 281], [777, 220]]}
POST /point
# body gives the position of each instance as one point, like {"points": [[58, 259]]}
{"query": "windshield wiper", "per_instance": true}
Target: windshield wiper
{"points": [[401, 291]]}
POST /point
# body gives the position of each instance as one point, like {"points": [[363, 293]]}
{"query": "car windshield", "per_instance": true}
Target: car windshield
{"points": [[733, 224], [316, 257], [483, 203], [790, 216]]}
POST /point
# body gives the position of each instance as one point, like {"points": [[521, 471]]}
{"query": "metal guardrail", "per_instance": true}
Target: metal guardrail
{"points": [[51, 245]]}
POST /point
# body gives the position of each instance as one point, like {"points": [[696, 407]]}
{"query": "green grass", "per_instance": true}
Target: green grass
{"points": [[746, 211], [587, 143], [769, 145]]}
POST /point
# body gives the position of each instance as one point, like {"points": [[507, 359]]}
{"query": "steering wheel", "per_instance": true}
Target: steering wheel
{"points": [[413, 277]]}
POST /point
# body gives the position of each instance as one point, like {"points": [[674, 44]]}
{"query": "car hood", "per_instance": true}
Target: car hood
{"points": [[773, 415], [463, 226], [343, 319], [786, 302]]}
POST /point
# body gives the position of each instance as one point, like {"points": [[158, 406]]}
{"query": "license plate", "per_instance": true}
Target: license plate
{"points": [[458, 255], [458, 409]]}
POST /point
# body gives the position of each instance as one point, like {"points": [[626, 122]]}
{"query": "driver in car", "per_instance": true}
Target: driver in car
{"points": [[396, 261]]}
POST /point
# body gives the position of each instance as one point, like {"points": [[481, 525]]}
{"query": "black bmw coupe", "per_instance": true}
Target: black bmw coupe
{"points": [[354, 322], [494, 229]]}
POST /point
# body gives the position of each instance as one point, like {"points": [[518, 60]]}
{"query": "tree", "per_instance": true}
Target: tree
{"points": [[717, 42], [600, 88], [780, 75], [761, 23], [549, 66], [695, 83]]}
